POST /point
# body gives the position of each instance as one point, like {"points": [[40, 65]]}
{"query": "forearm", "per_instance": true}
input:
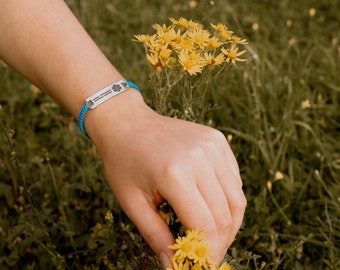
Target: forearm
{"points": [[44, 42]]}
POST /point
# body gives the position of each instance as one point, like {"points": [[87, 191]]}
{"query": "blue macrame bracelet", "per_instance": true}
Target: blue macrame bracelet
{"points": [[100, 97]]}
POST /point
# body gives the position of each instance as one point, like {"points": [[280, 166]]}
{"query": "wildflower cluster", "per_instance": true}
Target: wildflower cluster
{"points": [[192, 253], [185, 57], [186, 44]]}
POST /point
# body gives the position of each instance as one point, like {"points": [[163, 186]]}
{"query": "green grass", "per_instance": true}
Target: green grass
{"points": [[52, 189]]}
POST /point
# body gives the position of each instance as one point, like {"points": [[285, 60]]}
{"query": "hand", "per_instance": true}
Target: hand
{"points": [[149, 158]]}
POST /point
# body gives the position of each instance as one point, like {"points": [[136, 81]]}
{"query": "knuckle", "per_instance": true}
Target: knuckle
{"points": [[215, 137], [242, 204], [172, 169], [173, 173], [209, 228], [225, 223], [219, 136]]}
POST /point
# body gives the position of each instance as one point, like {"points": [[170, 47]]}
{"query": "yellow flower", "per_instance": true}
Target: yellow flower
{"points": [[181, 22], [214, 60], [222, 31], [195, 234], [192, 253], [194, 25], [161, 28], [188, 245], [156, 46], [200, 37], [165, 53], [147, 40], [184, 249], [184, 23], [219, 27], [154, 60], [238, 40], [191, 62], [214, 43], [165, 57], [201, 254], [184, 43], [159, 55], [170, 36], [232, 54]]}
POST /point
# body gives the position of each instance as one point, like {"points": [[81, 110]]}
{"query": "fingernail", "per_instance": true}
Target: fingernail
{"points": [[165, 260]]}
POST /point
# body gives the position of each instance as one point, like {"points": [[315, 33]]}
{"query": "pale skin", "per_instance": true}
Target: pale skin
{"points": [[148, 158]]}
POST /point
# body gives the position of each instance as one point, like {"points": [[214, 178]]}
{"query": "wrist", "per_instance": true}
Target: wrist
{"points": [[100, 97], [116, 116]]}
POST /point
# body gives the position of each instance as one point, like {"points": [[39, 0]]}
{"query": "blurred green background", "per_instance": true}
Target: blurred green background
{"points": [[280, 109]]}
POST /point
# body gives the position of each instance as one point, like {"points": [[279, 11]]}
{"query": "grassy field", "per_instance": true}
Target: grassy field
{"points": [[280, 111]]}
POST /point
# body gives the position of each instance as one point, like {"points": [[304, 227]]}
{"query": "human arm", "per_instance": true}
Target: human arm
{"points": [[148, 158]]}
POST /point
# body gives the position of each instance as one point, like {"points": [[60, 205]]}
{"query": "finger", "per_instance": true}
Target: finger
{"points": [[229, 177], [149, 223], [237, 203], [217, 202]]}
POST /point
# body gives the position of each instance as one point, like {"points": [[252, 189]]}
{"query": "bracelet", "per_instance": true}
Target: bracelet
{"points": [[100, 97]]}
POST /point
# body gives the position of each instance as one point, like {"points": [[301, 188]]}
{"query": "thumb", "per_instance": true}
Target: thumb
{"points": [[151, 226]]}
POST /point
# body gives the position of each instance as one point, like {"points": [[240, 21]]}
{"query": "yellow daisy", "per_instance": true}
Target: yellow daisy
{"points": [[194, 25], [165, 53], [214, 43], [191, 62], [201, 254], [184, 43], [181, 22], [200, 37], [147, 40], [161, 28], [192, 253], [214, 60], [222, 31], [232, 54], [170, 36], [238, 40], [184, 23], [156, 46], [195, 234], [154, 60], [184, 249]]}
